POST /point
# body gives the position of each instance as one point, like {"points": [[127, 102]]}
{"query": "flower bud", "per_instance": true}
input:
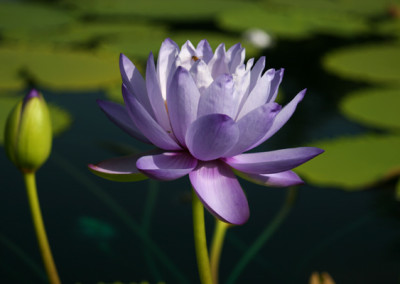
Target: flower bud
{"points": [[28, 135]]}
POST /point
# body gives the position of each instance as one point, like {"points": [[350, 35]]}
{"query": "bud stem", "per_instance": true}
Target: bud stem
{"points": [[51, 270]]}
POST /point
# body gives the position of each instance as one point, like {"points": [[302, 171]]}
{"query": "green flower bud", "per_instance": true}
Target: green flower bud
{"points": [[28, 135]]}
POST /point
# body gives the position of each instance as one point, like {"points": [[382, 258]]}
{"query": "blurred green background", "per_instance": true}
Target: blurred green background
{"points": [[346, 220]]}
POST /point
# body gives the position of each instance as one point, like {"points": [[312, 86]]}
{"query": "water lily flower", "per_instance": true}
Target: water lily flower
{"points": [[203, 110]]}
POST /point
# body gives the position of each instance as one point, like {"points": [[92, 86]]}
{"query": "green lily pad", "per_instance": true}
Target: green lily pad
{"points": [[375, 63], [90, 33], [354, 163], [60, 118], [286, 22], [175, 10], [274, 22], [397, 190], [367, 8], [136, 45], [23, 16], [389, 28], [57, 69], [375, 107]]}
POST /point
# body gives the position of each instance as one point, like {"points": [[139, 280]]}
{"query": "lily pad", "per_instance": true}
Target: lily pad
{"points": [[389, 28], [366, 8], [275, 22], [91, 33], [57, 68], [137, 44], [60, 118], [175, 10], [375, 107], [375, 63], [354, 163], [286, 22], [24, 16]]}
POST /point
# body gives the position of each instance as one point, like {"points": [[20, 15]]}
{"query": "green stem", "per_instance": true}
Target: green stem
{"points": [[216, 247], [44, 247], [200, 241], [264, 236]]}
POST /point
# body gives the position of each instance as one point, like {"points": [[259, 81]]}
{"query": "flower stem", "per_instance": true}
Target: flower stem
{"points": [[216, 247], [200, 241], [51, 270], [264, 236]]}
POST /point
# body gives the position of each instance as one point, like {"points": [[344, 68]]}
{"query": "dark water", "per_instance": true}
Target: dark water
{"points": [[353, 236]]}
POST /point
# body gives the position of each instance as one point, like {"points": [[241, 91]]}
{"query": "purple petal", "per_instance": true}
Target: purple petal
{"points": [[259, 95], [218, 98], [220, 192], [282, 117], [253, 126], [155, 96], [237, 60], [183, 98], [118, 169], [201, 75], [275, 85], [218, 64], [235, 56], [211, 136], [273, 161], [249, 63], [185, 56], [282, 179], [167, 166], [134, 81], [241, 87], [204, 50], [147, 125], [33, 93], [165, 64], [256, 72], [118, 114]]}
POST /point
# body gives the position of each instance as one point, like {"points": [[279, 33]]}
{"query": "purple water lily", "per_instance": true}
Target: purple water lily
{"points": [[203, 110]]}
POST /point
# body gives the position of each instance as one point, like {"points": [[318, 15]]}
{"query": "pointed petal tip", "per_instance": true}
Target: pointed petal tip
{"points": [[91, 166], [151, 56], [169, 41], [33, 93], [122, 57], [302, 93], [121, 169], [203, 41]]}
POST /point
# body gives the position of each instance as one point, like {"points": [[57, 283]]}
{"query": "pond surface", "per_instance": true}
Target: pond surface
{"points": [[102, 231]]}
